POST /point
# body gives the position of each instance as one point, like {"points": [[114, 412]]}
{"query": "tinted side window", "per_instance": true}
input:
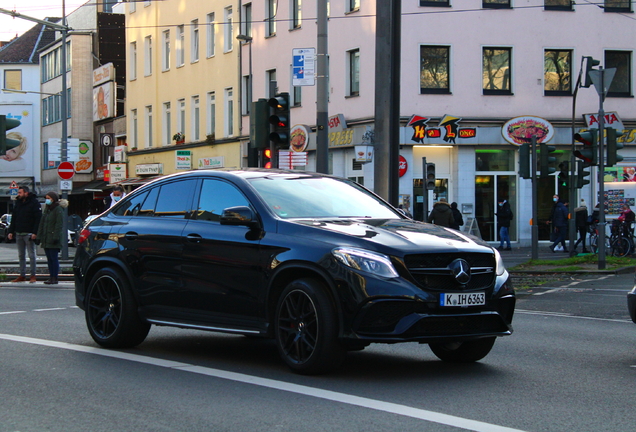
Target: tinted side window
{"points": [[217, 195], [175, 198]]}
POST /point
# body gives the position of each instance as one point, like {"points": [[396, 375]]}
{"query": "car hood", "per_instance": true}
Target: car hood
{"points": [[406, 236]]}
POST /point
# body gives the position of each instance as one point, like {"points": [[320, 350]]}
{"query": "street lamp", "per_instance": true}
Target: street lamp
{"points": [[248, 39]]}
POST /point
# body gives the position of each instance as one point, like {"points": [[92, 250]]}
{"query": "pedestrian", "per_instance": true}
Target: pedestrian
{"points": [[582, 225], [117, 194], [559, 223], [504, 216], [50, 233], [457, 215], [441, 214], [25, 221]]}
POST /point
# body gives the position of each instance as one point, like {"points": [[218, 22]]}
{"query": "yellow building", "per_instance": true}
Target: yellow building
{"points": [[182, 86]]}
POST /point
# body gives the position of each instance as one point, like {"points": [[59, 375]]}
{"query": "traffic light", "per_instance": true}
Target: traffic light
{"points": [[589, 64], [581, 174], [589, 153], [7, 143], [612, 146], [266, 158], [524, 161], [545, 159], [259, 124], [564, 173], [280, 120], [430, 176]]}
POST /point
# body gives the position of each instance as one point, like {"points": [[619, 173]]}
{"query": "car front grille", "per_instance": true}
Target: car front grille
{"points": [[432, 271]]}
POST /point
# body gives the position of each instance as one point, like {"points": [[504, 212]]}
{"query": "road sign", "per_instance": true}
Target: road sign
{"points": [[303, 66], [66, 170], [66, 185]]}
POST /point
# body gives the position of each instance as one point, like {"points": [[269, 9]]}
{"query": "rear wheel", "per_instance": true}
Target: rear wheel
{"points": [[111, 311], [463, 352], [621, 247], [306, 328]]}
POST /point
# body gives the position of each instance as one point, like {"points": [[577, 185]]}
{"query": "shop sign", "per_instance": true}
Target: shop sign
{"points": [[147, 169], [520, 130], [183, 159], [404, 166], [119, 153], [117, 172], [211, 162], [103, 74], [290, 159], [299, 138], [337, 123], [612, 120], [448, 129], [364, 153], [100, 172]]}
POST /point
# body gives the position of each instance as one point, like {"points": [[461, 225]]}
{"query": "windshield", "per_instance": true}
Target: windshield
{"points": [[319, 197]]}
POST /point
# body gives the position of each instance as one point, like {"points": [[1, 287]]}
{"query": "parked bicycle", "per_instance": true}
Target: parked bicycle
{"points": [[621, 239]]}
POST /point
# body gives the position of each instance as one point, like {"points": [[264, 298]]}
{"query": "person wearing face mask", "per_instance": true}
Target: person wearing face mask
{"points": [[117, 194], [559, 223], [50, 233], [504, 216]]}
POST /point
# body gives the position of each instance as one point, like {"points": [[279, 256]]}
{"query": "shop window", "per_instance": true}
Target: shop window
{"points": [[495, 160]]}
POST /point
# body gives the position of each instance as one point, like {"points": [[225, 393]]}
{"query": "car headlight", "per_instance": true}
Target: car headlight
{"points": [[500, 265], [366, 261]]}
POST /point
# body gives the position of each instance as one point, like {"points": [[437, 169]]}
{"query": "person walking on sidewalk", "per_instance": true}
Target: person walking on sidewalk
{"points": [[50, 233], [580, 218], [25, 221], [442, 214], [559, 223], [504, 216]]}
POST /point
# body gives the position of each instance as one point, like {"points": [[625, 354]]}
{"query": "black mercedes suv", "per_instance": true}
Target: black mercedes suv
{"points": [[318, 263]]}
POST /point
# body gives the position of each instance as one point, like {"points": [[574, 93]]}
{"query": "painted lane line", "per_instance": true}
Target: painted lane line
{"points": [[563, 315], [12, 312], [48, 309], [392, 408]]}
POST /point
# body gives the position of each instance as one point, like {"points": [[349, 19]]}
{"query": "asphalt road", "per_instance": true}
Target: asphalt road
{"points": [[569, 366]]}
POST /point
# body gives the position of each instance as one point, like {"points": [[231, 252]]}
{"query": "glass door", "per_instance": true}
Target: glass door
{"points": [[489, 189]]}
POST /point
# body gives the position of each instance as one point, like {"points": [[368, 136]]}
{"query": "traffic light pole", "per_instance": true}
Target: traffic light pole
{"points": [[64, 141], [424, 191], [535, 209], [601, 179]]}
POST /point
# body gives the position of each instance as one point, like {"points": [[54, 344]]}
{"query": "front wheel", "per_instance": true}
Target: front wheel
{"points": [[306, 328], [621, 247], [463, 352], [111, 311]]}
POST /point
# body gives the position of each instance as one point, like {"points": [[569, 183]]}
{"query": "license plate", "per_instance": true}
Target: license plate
{"points": [[462, 299]]}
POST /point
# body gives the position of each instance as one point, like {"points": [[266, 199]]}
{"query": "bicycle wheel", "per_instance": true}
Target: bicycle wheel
{"points": [[594, 243], [621, 247]]}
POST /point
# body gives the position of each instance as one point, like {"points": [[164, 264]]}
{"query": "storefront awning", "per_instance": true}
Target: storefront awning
{"points": [[90, 187], [135, 181]]}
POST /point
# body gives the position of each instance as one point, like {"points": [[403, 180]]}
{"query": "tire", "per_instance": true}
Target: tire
{"points": [[111, 311], [594, 243], [463, 352], [621, 247], [306, 328]]}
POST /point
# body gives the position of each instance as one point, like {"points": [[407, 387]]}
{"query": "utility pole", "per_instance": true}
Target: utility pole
{"points": [[64, 140], [535, 206], [387, 99], [322, 90]]}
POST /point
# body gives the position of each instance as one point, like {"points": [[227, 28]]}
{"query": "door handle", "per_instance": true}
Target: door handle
{"points": [[194, 238], [130, 235]]}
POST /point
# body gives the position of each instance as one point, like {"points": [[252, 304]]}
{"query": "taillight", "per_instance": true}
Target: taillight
{"points": [[83, 236]]}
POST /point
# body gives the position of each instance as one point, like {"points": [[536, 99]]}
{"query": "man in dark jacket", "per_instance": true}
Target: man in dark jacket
{"points": [[504, 216], [25, 220], [580, 218], [559, 223], [442, 214], [457, 216]]}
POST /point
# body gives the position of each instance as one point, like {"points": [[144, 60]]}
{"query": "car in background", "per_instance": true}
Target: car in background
{"points": [[317, 263], [5, 221]]}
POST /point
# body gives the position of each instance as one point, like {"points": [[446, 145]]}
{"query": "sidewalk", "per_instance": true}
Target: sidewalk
{"points": [[10, 267]]}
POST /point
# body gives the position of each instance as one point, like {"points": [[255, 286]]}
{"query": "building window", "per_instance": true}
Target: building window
{"points": [[621, 85], [148, 55], [13, 79], [557, 72], [247, 91], [166, 50], [353, 5], [565, 5], [272, 86], [132, 6], [211, 113], [134, 131], [210, 39], [617, 6], [196, 111], [296, 93], [496, 71], [149, 126], [247, 20], [296, 14], [435, 3], [51, 110], [229, 112], [353, 75], [68, 102], [496, 4], [167, 120], [435, 70], [228, 31], [51, 63], [132, 72], [181, 118], [270, 20], [180, 45], [194, 41]]}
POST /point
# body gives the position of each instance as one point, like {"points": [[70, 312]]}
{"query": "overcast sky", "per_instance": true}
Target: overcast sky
{"points": [[41, 9]]}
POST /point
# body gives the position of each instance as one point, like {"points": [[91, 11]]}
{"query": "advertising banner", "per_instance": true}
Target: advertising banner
{"points": [[20, 161]]}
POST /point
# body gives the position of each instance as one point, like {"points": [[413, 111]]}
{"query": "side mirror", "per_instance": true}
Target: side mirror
{"points": [[240, 215]]}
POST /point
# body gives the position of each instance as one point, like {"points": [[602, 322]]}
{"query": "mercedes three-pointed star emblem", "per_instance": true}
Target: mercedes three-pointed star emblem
{"points": [[461, 270]]}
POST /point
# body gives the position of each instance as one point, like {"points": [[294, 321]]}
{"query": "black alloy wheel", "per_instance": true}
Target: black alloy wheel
{"points": [[111, 312], [306, 328], [463, 352]]}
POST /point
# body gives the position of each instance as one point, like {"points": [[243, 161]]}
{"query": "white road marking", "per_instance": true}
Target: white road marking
{"points": [[431, 416], [49, 309], [12, 312], [564, 315]]}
